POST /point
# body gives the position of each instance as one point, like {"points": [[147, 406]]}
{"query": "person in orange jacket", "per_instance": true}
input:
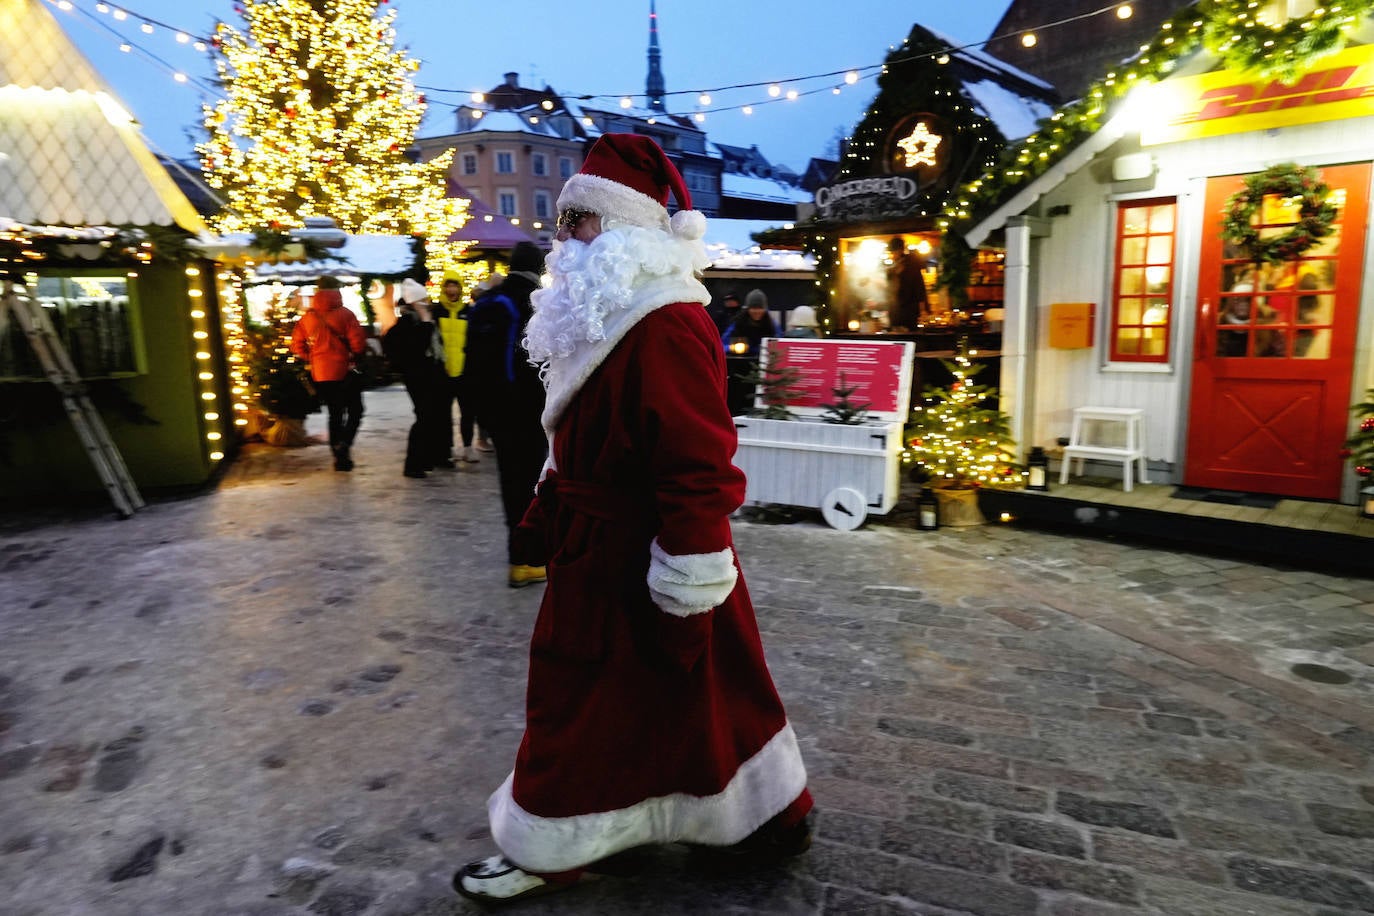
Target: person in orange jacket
{"points": [[330, 339]]}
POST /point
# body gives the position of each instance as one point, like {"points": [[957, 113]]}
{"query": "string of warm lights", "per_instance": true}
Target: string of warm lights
{"points": [[778, 90], [213, 423], [1236, 31]]}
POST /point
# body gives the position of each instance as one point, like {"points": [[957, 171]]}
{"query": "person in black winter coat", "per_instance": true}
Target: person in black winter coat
{"points": [[413, 347], [752, 326], [508, 395]]}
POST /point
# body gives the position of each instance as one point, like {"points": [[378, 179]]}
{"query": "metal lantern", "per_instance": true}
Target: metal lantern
{"points": [[1038, 469], [927, 510]]}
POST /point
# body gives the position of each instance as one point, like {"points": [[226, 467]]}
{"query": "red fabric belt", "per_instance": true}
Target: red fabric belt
{"points": [[598, 500]]}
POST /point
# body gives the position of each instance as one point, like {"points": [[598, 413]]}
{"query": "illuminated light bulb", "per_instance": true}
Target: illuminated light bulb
{"points": [[835, 91], [197, 313], [851, 77], [199, 46], [182, 38], [476, 114], [218, 456], [126, 48], [479, 97], [240, 421], [65, 6], [179, 77], [1124, 11], [208, 396], [534, 119], [120, 14], [102, 8], [211, 415], [792, 95], [775, 90], [748, 109], [213, 437], [626, 102], [586, 120], [942, 59], [546, 105], [1028, 40], [704, 99], [653, 120], [200, 335], [202, 355], [147, 28], [700, 116]]}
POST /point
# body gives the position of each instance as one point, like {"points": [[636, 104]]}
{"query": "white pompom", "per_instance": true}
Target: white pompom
{"points": [[688, 224]]}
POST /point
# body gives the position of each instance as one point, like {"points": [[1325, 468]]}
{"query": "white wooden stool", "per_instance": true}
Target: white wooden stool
{"points": [[1133, 419]]}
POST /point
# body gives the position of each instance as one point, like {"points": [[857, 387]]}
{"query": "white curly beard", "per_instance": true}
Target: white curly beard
{"points": [[593, 280]]}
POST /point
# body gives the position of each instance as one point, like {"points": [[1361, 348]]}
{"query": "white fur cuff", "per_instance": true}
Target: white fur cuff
{"points": [[691, 583]]}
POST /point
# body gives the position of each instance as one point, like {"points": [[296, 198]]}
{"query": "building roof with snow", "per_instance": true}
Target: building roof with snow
{"points": [[70, 153]]}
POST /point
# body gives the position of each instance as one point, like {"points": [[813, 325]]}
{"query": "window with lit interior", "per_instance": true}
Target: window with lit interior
{"points": [[1142, 288], [94, 318]]}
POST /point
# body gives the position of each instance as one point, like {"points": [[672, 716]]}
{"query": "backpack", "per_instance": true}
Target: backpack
{"points": [[492, 339]]}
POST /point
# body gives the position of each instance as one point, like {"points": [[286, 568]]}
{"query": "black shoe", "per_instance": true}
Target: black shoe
{"points": [[764, 847], [418, 474], [446, 463]]}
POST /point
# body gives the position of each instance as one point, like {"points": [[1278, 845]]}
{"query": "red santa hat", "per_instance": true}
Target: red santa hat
{"points": [[627, 178]]}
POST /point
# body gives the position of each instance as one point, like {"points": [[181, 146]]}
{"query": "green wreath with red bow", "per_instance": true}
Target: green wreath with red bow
{"points": [[1287, 180]]}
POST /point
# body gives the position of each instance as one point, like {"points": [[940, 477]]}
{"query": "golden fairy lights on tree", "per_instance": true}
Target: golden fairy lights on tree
{"points": [[318, 114], [955, 438]]}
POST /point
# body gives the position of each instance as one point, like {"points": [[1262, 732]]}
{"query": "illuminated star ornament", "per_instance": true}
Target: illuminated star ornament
{"points": [[920, 146]]}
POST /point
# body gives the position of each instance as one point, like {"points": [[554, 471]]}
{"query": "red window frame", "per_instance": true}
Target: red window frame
{"points": [[1136, 300]]}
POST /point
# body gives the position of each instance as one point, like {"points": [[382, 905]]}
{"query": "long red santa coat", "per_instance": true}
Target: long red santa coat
{"points": [[650, 714]]}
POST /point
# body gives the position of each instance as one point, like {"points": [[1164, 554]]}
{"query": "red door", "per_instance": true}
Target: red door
{"points": [[1274, 350]]}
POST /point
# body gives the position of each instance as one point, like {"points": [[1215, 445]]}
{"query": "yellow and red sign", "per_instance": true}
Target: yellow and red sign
{"points": [[1226, 102]]}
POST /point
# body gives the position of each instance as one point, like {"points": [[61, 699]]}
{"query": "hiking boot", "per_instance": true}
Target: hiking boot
{"points": [[521, 575]]}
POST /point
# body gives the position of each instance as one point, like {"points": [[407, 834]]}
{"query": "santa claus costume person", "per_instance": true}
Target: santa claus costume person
{"points": [[650, 714]]}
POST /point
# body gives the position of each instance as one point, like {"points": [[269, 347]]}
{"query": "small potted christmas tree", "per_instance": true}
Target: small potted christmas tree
{"points": [[843, 409], [776, 386], [958, 443]]}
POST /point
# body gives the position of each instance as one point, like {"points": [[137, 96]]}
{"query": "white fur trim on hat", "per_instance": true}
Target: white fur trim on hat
{"points": [[612, 199], [694, 583], [688, 224]]}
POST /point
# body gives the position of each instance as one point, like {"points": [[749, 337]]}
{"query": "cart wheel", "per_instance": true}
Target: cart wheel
{"points": [[844, 508]]}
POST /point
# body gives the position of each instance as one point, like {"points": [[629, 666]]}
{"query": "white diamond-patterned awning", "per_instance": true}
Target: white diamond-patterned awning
{"points": [[70, 154]]}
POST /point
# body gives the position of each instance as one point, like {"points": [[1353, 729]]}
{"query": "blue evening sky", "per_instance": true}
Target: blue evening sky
{"points": [[579, 48]]}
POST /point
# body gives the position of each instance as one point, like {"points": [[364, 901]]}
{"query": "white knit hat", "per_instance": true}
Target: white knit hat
{"points": [[412, 292]]}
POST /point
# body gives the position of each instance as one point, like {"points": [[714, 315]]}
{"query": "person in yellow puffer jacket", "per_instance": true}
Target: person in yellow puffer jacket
{"points": [[451, 313]]}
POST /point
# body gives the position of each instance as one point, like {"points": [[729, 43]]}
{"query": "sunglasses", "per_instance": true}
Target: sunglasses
{"points": [[570, 219]]}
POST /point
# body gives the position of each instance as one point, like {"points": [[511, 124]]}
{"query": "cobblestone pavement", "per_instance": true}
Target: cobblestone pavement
{"points": [[293, 694]]}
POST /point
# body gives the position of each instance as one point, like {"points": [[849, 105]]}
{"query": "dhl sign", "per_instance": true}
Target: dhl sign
{"points": [[1339, 86]]}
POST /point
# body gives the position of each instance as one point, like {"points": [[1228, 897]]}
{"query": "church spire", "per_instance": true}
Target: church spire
{"points": [[653, 86]]}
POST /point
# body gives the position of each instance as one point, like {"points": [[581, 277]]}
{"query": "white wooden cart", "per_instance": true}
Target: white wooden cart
{"points": [[848, 471]]}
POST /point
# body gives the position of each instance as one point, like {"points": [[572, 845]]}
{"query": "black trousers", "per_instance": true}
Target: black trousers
{"points": [[458, 390], [426, 444], [512, 424], [343, 400]]}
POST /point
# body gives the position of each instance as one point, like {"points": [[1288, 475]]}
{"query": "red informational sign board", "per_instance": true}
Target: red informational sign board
{"points": [[879, 369]]}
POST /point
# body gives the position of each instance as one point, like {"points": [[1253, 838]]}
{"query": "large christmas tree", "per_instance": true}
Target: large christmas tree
{"points": [[318, 113]]}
